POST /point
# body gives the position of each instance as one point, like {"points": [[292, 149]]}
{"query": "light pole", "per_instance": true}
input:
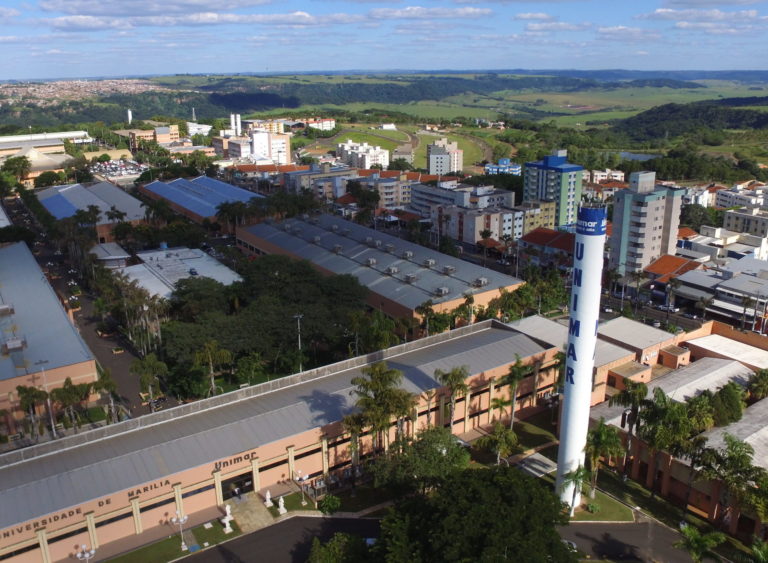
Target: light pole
{"points": [[298, 317], [41, 363], [302, 479], [85, 554], [180, 521]]}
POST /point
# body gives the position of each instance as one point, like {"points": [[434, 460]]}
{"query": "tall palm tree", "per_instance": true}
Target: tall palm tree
{"points": [[149, 369], [632, 397], [698, 544], [455, 380], [500, 403], [576, 479], [426, 311], [517, 372], [377, 398], [696, 451], [354, 424], [429, 394], [106, 384], [213, 357], [501, 441], [758, 385], [602, 441], [29, 397]]}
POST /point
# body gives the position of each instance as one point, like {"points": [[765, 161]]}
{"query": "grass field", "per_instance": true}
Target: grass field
{"points": [[364, 137]]}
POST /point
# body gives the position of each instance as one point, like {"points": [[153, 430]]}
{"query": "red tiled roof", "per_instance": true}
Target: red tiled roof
{"points": [[614, 184], [346, 199], [364, 172], [490, 243], [669, 266], [686, 233], [551, 238]]}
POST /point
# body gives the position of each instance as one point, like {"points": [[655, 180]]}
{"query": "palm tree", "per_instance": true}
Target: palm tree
{"points": [[354, 424], [576, 479], [115, 215], [501, 441], [485, 235], [672, 286], [746, 302], [106, 384], [637, 277], [426, 312], [500, 403], [602, 441], [702, 304], [632, 397], [759, 549], [696, 451], [429, 394], [517, 372], [29, 397], [701, 412], [699, 544], [455, 381], [213, 357], [378, 398], [758, 385], [149, 369]]}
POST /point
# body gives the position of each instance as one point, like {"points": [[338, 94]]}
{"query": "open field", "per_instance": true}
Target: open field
{"points": [[364, 137]]}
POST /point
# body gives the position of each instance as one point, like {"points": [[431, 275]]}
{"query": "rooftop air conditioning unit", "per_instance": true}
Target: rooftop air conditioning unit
{"points": [[389, 248], [369, 241], [407, 254], [429, 262], [6, 309], [448, 270], [377, 243], [442, 291], [410, 278], [337, 248], [334, 228], [370, 262], [13, 345], [305, 216], [392, 270], [481, 282], [316, 240], [287, 227], [314, 221]]}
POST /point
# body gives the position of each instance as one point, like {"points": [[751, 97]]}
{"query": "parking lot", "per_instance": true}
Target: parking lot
{"points": [[118, 168]]}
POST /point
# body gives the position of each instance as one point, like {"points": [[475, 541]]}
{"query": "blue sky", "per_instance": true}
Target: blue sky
{"points": [[82, 38]]}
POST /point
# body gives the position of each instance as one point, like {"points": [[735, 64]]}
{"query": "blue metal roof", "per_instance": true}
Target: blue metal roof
{"points": [[200, 196], [59, 207]]}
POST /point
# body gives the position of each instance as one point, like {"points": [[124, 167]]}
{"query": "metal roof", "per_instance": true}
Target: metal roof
{"points": [[387, 265], [201, 195], [4, 221], [684, 383], [556, 334], [38, 318], [64, 201], [633, 333], [752, 429], [732, 349], [91, 465]]}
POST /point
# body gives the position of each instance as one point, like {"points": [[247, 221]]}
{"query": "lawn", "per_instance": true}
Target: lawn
{"points": [[164, 550], [215, 534], [611, 510], [364, 497], [292, 502]]}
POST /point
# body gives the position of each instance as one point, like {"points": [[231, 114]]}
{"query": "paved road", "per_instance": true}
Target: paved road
{"points": [[642, 541], [289, 541]]}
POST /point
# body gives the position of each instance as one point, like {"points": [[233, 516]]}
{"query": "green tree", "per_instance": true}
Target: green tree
{"points": [[501, 441], [212, 357], [29, 398], [329, 504], [632, 397], [376, 398], [517, 372], [341, 548], [576, 479], [698, 544], [46, 179], [602, 441], [728, 404], [455, 381], [150, 370], [758, 385], [19, 166], [488, 515]]}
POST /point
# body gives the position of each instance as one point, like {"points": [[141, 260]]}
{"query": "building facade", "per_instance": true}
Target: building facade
{"points": [[556, 179], [646, 218], [444, 157]]}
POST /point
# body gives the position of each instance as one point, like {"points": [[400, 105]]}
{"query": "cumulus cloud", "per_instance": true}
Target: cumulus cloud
{"points": [[421, 13], [148, 7], [7, 13], [626, 34], [557, 26], [541, 16], [699, 15]]}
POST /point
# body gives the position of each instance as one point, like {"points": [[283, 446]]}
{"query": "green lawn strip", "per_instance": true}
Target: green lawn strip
{"points": [[364, 497], [164, 550], [292, 502], [215, 534], [610, 510], [529, 435]]}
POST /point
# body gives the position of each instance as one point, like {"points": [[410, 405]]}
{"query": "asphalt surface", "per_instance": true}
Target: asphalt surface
{"points": [[289, 541]]}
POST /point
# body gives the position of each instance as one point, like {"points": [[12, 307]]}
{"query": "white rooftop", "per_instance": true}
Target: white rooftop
{"points": [[727, 348], [4, 221], [161, 269], [632, 333]]}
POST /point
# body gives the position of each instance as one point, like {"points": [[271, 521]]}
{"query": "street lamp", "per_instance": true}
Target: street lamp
{"points": [[302, 479], [85, 554], [298, 317], [180, 520], [41, 363]]}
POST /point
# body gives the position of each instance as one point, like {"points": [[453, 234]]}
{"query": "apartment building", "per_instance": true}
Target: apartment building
{"points": [[537, 214], [554, 178], [466, 225], [323, 124], [444, 157], [646, 218], [740, 197], [753, 221], [272, 146], [504, 166], [362, 155]]}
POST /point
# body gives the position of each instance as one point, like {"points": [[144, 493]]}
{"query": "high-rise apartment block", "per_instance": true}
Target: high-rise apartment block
{"points": [[556, 179], [444, 157], [362, 155], [645, 222]]}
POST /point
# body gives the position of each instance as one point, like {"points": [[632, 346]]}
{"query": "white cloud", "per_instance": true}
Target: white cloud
{"points": [[626, 34], [420, 13], [133, 7], [699, 3], [541, 16], [557, 26], [7, 13], [699, 15]]}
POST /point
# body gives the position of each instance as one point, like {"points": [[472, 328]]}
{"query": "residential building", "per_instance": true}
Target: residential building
{"points": [[467, 224], [537, 214], [556, 179], [272, 146], [41, 347], [362, 155], [546, 248], [393, 186], [444, 157], [740, 197], [646, 218], [753, 221], [268, 125], [114, 205], [298, 180], [400, 275], [404, 152], [607, 175], [323, 124], [238, 148], [504, 166], [718, 242]]}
